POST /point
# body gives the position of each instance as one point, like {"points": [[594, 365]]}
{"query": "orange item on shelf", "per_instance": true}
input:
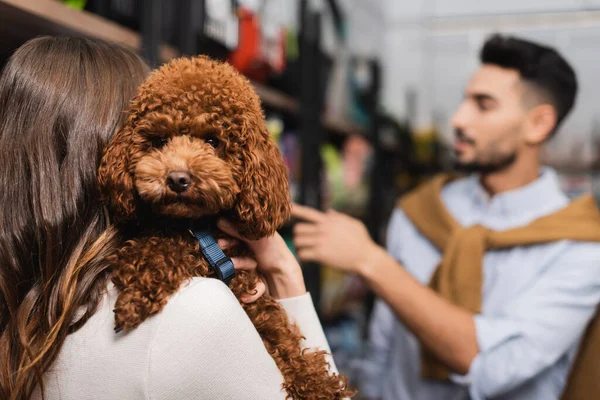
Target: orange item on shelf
{"points": [[258, 54], [247, 58]]}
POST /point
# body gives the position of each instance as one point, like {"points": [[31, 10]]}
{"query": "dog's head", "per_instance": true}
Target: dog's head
{"points": [[195, 144]]}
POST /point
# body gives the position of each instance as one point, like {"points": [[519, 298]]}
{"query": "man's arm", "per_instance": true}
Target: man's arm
{"points": [[445, 329]]}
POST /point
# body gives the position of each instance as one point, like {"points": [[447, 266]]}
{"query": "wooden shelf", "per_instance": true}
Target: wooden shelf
{"points": [[30, 18], [21, 20], [276, 99]]}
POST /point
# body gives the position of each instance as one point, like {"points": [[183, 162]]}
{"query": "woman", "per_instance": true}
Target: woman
{"points": [[61, 100]]}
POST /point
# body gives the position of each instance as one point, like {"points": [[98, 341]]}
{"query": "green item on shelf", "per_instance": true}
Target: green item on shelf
{"points": [[275, 127], [292, 46], [76, 4]]}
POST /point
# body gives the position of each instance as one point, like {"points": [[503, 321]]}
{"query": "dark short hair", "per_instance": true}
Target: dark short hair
{"points": [[539, 65]]}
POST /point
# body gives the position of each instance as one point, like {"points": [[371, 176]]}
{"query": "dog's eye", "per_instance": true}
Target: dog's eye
{"points": [[213, 141], [159, 141]]}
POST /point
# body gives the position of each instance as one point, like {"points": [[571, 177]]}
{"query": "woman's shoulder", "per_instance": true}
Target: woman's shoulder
{"points": [[206, 299], [200, 287], [201, 313], [201, 308], [204, 334]]}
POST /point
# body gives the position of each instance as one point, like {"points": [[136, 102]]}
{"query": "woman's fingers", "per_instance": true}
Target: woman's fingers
{"points": [[244, 263], [228, 228], [249, 264], [258, 292], [225, 244]]}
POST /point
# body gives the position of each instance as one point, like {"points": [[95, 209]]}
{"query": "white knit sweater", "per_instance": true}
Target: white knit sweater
{"points": [[201, 346]]}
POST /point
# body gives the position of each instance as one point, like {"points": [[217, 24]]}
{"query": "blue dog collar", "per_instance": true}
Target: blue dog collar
{"points": [[222, 264]]}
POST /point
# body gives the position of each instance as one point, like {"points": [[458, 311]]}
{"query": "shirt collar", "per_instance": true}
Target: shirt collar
{"points": [[536, 198]]}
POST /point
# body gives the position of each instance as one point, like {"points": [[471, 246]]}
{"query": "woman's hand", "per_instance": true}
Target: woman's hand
{"points": [[274, 261]]}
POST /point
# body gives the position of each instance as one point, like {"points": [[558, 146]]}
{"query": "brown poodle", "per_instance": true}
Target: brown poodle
{"points": [[194, 148]]}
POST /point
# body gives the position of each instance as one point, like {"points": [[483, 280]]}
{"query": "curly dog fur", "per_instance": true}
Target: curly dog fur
{"points": [[194, 148]]}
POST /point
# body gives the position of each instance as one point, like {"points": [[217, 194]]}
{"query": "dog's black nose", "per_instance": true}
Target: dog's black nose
{"points": [[178, 181]]}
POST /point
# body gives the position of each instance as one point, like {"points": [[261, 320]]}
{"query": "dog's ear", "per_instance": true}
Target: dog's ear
{"points": [[114, 177], [264, 201]]}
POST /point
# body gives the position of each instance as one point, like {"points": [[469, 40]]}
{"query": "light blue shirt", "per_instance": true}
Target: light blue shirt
{"points": [[537, 301]]}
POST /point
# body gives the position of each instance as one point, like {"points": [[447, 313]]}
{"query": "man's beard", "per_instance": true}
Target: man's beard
{"points": [[498, 164]]}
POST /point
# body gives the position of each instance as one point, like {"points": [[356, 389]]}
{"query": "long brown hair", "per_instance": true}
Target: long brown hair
{"points": [[61, 100]]}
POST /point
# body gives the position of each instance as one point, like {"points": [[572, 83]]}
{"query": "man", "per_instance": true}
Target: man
{"points": [[510, 327]]}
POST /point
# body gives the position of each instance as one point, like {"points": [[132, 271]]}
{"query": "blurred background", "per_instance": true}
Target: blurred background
{"points": [[357, 93]]}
